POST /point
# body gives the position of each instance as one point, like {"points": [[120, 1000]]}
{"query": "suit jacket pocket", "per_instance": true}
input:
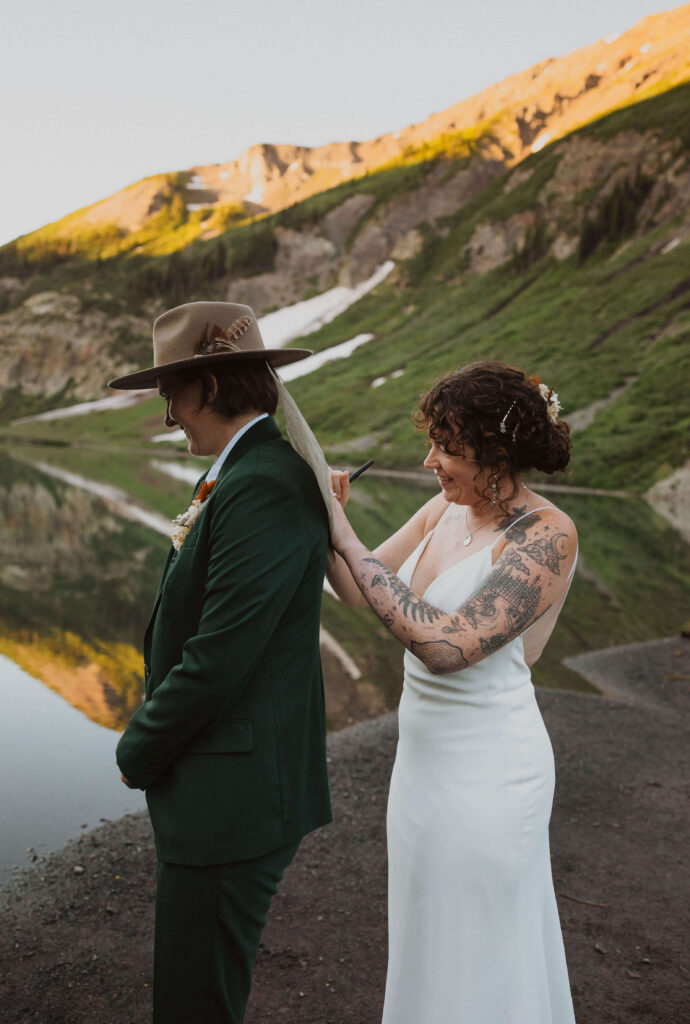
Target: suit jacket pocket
{"points": [[224, 738]]}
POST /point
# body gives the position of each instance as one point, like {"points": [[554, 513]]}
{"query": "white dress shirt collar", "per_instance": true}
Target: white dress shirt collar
{"points": [[215, 468]]}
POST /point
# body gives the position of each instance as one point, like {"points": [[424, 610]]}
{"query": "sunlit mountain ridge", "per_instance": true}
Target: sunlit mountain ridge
{"points": [[545, 222], [505, 123]]}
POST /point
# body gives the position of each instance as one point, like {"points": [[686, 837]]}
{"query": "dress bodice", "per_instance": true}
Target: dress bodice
{"points": [[506, 668]]}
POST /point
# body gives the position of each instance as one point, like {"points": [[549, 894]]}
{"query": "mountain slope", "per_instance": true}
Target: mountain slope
{"points": [[511, 119], [575, 264]]}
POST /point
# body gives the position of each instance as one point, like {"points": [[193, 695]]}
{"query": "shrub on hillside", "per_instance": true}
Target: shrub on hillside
{"points": [[616, 215], [180, 275], [533, 248]]}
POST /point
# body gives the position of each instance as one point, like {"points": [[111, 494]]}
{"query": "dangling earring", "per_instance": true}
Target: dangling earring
{"points": [[494, 491]]}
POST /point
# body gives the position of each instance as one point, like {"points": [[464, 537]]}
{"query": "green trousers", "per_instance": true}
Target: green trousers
{"points": [[208, 926]]}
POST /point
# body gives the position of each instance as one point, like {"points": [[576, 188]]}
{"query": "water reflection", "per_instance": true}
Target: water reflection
{"points": [[76, 581], [57, 771]]}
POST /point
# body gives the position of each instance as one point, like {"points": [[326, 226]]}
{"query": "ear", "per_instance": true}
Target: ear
{"points": [[212, 384]]}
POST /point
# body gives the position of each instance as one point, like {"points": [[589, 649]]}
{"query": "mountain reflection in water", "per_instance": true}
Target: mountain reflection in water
{"points": [[77, 584]]}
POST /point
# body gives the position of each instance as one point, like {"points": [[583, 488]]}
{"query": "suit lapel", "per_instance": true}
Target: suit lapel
{"points": [[264, 430], [164, 573]]}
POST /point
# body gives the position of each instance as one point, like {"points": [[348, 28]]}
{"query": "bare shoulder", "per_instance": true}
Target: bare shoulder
{"points": [[538, 513], [544, 534], [432, 512]]}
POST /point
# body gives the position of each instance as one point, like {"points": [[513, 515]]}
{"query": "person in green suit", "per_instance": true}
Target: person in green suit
{"points": [[229, 744]]}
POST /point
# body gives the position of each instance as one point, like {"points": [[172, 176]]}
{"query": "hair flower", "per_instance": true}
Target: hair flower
{"points": [[553, 405], [185, 521]]}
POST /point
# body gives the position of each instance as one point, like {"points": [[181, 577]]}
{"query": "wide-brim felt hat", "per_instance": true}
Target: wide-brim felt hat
{"points": [[205, 334]]}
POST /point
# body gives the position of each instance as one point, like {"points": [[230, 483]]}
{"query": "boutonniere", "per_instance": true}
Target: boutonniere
{"points": [[185, 521]]}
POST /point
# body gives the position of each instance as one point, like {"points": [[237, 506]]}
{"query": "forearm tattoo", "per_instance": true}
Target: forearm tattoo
{"points": [[412, 606], [494, 643], [439, 655], [505, 604]]}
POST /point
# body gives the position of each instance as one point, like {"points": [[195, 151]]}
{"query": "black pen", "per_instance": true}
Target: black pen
{"points": [[362, 469]]}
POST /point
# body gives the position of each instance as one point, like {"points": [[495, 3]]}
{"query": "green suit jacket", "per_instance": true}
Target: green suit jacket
{"points": [[230, 741]]}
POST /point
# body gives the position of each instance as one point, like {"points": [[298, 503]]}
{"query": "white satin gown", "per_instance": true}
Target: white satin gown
{"points": [[474, 934]]}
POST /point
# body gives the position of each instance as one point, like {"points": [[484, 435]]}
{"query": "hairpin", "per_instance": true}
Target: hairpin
{"points": [[503, 427]]}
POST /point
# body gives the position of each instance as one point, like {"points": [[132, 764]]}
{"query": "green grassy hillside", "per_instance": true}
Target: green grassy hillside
{"points": [[617, 308], [584, 325], [582, 329]]}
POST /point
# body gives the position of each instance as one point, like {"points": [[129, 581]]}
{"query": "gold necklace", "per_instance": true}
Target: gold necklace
{"points": [[468, 538]]}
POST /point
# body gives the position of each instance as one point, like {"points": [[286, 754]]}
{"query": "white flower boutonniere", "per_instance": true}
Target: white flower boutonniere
{"points": [[183, 523]]}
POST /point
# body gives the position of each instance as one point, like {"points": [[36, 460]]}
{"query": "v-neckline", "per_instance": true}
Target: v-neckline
{"points": [[425, 540], [422, 548]]}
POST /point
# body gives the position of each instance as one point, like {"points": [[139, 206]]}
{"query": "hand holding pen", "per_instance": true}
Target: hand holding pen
{"points": [[358, 472], [341, 480]]}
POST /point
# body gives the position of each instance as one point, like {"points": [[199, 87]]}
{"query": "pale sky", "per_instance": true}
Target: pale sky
{"points": [[95, 95]]}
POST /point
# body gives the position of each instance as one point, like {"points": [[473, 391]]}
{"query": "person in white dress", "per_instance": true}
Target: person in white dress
{"points": [[472, 586]]}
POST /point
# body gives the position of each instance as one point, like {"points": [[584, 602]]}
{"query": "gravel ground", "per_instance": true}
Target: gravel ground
{"points": [[76, 928]]}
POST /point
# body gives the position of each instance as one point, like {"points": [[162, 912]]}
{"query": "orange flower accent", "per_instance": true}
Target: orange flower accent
{"points": [[204, 491], [183, 523]]}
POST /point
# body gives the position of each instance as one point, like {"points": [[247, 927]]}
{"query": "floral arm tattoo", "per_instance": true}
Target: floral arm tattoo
{"points": [[514, 595]]}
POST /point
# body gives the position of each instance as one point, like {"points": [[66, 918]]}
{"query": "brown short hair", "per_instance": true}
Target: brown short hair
{"points": [[245, 385], [468, 407]]}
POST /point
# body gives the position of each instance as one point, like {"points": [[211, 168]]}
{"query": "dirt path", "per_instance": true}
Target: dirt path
{"points": [[76, 929], [425, 478]]}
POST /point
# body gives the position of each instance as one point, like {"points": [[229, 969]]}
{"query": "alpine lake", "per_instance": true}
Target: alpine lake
{"points": [[79, 574]]}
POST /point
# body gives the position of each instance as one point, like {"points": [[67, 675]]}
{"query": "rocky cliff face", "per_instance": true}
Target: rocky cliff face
{"points": [[50, 344], [319, 253]]}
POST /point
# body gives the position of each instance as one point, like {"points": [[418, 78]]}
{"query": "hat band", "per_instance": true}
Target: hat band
{"points": [[215, 339]]}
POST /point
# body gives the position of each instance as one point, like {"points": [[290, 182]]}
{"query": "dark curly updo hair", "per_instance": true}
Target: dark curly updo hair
{"points": [[501, 414]]}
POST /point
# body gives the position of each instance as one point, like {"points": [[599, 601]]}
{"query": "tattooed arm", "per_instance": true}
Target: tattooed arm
{"points": [[392, 552], [528, 577]]}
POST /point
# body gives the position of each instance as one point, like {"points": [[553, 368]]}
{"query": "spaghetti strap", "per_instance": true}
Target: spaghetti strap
{"points": [[539, 508], [516, 521]]}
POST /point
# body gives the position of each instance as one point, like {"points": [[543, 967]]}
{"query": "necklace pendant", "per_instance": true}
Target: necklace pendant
{"points": [[467, 540]]}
